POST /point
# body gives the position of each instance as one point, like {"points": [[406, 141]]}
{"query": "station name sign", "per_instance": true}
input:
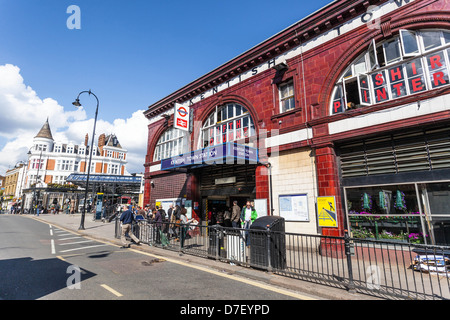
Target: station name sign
{"points": [[226, 153]]}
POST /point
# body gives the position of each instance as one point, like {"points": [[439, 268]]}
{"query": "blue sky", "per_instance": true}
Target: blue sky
{"points": [[130, 53]]}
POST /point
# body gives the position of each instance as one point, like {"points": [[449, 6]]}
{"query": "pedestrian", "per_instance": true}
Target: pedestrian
{"points": [[158, 222], [220, 217], [248, 215], [127, 219], [177, 212], [235, 215], [72, 206], [184, 226], [141, 212], [227, 218], [169, 212], [214, 216]]}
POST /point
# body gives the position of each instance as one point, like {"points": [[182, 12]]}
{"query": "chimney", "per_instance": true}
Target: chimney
{"points": [[101, 140], [86, 140]]}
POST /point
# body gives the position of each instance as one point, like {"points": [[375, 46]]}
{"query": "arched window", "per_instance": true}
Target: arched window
{"points": [[171, 143], [409, 63], [225, 124]]}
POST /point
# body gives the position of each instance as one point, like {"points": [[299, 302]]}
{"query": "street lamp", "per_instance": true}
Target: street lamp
{"points": [[78, 104], [37, 179]]}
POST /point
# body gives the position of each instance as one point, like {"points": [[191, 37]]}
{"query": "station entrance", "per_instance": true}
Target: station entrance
{"points": [[220, 185]]}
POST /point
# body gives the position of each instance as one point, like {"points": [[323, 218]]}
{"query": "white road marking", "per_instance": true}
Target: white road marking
{"points": [[81, 248], [118, 294], [70, 238], [53, 246], [67, 243]]}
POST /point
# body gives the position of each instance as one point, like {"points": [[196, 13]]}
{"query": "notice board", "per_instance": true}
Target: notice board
{"points": [[294, 207]]}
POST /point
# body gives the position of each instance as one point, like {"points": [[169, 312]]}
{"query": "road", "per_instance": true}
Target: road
{"points": [[40, 261]]}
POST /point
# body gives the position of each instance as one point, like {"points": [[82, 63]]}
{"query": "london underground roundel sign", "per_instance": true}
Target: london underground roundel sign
{"points": [[181, 117]]}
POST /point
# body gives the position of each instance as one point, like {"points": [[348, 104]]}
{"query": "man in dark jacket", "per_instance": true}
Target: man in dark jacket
{"points": [[127, 219]]}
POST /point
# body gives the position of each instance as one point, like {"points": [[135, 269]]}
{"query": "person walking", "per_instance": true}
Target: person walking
{"points": [[248, 215], [235, 215], [184, 226], [127, 219]]}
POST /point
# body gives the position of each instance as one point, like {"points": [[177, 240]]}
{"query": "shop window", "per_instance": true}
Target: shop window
{"points": [[386, 212], [409, 63]]}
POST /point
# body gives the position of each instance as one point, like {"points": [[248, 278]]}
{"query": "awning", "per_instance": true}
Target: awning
{"points": [[226, 153], [112, 184]]}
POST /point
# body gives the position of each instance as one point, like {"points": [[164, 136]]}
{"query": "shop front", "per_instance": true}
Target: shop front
{"points": [[397, 187]]}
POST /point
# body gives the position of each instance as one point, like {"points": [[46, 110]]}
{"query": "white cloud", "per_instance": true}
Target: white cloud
{"points": [[23, 113]]}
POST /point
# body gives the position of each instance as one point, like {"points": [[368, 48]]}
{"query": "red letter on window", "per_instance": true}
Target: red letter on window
{"points": [[379, 79], [438, 77], [381, 94], [417, 84], [337, 105], [397, 86], [396, 73], [435, 62]]}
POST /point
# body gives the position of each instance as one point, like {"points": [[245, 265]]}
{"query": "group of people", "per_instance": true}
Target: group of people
{"points": [[235, 216], [174, 223]]}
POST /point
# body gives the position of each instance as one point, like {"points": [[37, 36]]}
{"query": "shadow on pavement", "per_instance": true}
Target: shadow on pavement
{"points": [[28, 279]]}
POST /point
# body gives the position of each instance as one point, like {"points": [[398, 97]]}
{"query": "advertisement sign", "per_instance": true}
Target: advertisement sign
{"points": [[326, 212], [181, 117]]}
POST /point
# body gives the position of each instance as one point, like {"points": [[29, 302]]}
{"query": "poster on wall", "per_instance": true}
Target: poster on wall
{"points": [[261, 207], [294, 207], [326, 212]]}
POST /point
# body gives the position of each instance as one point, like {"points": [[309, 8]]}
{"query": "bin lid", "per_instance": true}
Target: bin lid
{"points": [[262, 223]]}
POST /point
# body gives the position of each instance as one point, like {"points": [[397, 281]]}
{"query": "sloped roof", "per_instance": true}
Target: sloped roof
{"points": [[45, 131], [112, 141]]}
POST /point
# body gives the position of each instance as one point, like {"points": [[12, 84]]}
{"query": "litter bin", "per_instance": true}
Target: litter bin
{"points": [[267, 239], [216, 241]]}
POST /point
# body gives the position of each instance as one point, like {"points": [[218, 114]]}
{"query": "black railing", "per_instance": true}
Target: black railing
{"points": [[378, 268]]}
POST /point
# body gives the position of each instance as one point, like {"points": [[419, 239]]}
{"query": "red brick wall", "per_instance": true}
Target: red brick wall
{"points": [[167, 186], [314, 74]]}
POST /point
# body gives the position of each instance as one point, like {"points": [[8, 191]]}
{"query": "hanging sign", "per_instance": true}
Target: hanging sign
{"points": [[181, 117]]}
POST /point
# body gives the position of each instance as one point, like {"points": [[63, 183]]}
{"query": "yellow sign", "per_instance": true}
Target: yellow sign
{"points": [[158, 204], [326, 208]]}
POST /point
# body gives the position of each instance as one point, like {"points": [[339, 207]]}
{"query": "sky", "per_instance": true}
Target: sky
{"points": [[129, 53]]}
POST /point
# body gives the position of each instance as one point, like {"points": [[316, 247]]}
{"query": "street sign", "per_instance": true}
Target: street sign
{"points": [[181, 117]]}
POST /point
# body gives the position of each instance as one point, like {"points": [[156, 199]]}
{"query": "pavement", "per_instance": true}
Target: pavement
{"points": [[104, 231]]}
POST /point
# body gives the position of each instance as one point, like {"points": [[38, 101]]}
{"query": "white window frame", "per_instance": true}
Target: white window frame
{"points": [[282, 99], [402, 43], [165, 147], [217, 125]]}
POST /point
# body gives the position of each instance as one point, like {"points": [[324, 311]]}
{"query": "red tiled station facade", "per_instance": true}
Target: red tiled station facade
{"points": [[314, 73]]}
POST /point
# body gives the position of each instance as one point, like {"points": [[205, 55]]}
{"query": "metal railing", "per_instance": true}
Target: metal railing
{"points": [[379, 268]]}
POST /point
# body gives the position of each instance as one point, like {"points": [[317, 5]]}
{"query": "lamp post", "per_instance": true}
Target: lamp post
{"points": [[37, 179], [78, 104]]}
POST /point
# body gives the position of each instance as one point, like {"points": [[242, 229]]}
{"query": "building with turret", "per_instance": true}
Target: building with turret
{"points": [[50, 162]]}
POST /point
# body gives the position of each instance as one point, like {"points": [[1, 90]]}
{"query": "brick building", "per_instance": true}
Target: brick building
{"points": [[51, 162], [349, 103]]}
